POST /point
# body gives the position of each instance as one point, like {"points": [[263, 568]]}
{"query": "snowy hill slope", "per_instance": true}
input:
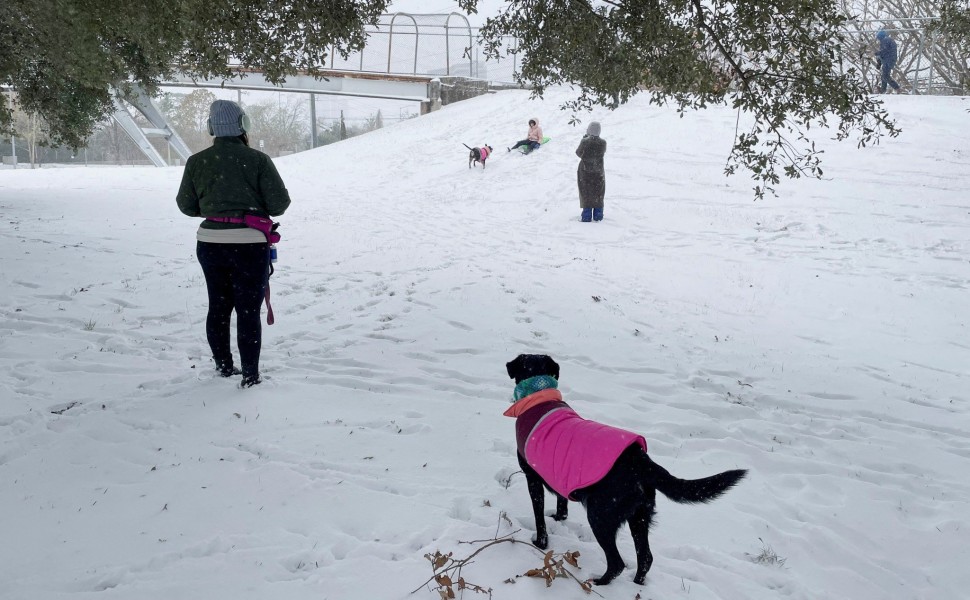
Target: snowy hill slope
{"points": [[818, 339]]}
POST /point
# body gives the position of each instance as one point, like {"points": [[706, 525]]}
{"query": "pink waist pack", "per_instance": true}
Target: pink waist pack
{"points": [[263, 224], [267, 226]]}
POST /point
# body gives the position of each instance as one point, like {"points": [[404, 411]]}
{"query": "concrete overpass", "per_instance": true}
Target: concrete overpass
{"points": [[416, 88]]}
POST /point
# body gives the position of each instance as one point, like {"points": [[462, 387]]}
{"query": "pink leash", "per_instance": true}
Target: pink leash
{"points": [[269, 307]]}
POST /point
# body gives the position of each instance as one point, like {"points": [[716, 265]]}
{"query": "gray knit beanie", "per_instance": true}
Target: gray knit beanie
{"points": [[593, 129], [225, 119]]}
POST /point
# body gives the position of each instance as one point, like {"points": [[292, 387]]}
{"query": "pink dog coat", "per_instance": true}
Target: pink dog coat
{"points": [[568, 451]]}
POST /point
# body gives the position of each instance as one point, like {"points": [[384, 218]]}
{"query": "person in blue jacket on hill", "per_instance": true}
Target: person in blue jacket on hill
{"points": [[886, 56]]}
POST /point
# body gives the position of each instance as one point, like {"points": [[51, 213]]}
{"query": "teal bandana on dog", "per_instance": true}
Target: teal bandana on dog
{"points": [[532, 385]]}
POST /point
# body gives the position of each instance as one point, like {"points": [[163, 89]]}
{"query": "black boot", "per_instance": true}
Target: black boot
{"points": [[250, 381], [228, 370]]}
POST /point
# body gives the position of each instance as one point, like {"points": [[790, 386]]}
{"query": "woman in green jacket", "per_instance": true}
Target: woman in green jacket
{"points": [[226, 182]]}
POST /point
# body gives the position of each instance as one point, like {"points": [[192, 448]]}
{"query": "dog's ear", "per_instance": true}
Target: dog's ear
{"points": [[552, 367], [525, 366], [514, 366]]}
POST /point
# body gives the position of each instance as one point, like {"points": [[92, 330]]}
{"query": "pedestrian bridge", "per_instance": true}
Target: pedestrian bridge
{"points": [[405, 58], [389, 86]]}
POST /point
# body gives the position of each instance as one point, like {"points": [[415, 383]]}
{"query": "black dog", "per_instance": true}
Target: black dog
{"points": [[478, 155], [627, 490]]}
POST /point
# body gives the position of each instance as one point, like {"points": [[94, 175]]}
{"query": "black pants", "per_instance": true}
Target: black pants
{"points": [[532, 144], [887, 79], [235, 276]]}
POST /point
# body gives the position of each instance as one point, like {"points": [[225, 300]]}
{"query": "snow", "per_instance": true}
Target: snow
{"points": [[818, 339]]}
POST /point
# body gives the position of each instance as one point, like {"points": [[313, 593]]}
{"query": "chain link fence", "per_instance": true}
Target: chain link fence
{"points": [[436, 45]]}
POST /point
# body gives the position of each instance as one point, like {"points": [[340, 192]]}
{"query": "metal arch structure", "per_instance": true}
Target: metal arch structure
{"points": [[414, 46], [137, 98], [390, 40], [425, 21], [468, 28]]}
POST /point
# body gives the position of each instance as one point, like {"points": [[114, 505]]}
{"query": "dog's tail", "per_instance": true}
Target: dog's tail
{"points": [[691, 491], [466, 145]]}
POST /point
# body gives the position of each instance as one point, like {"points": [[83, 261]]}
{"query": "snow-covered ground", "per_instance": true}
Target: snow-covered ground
{"points": [[819, 339]]}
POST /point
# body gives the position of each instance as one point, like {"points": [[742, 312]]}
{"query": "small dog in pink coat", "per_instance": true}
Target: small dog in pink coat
{"points": [[605, 468], [478, 155]]}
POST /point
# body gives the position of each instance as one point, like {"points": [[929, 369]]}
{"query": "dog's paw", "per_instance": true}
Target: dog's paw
{"points": [[562, 509], [642, 569], [606, 578], [540, 542]]}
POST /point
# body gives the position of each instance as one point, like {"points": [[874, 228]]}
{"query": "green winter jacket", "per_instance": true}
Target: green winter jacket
{"points": [[231, 179]]}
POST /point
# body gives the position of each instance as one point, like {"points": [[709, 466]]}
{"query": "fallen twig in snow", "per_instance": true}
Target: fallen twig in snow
{"points": [[447, 569]]}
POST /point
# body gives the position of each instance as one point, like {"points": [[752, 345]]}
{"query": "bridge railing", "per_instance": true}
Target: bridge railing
{"points": [[427, 44]]}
